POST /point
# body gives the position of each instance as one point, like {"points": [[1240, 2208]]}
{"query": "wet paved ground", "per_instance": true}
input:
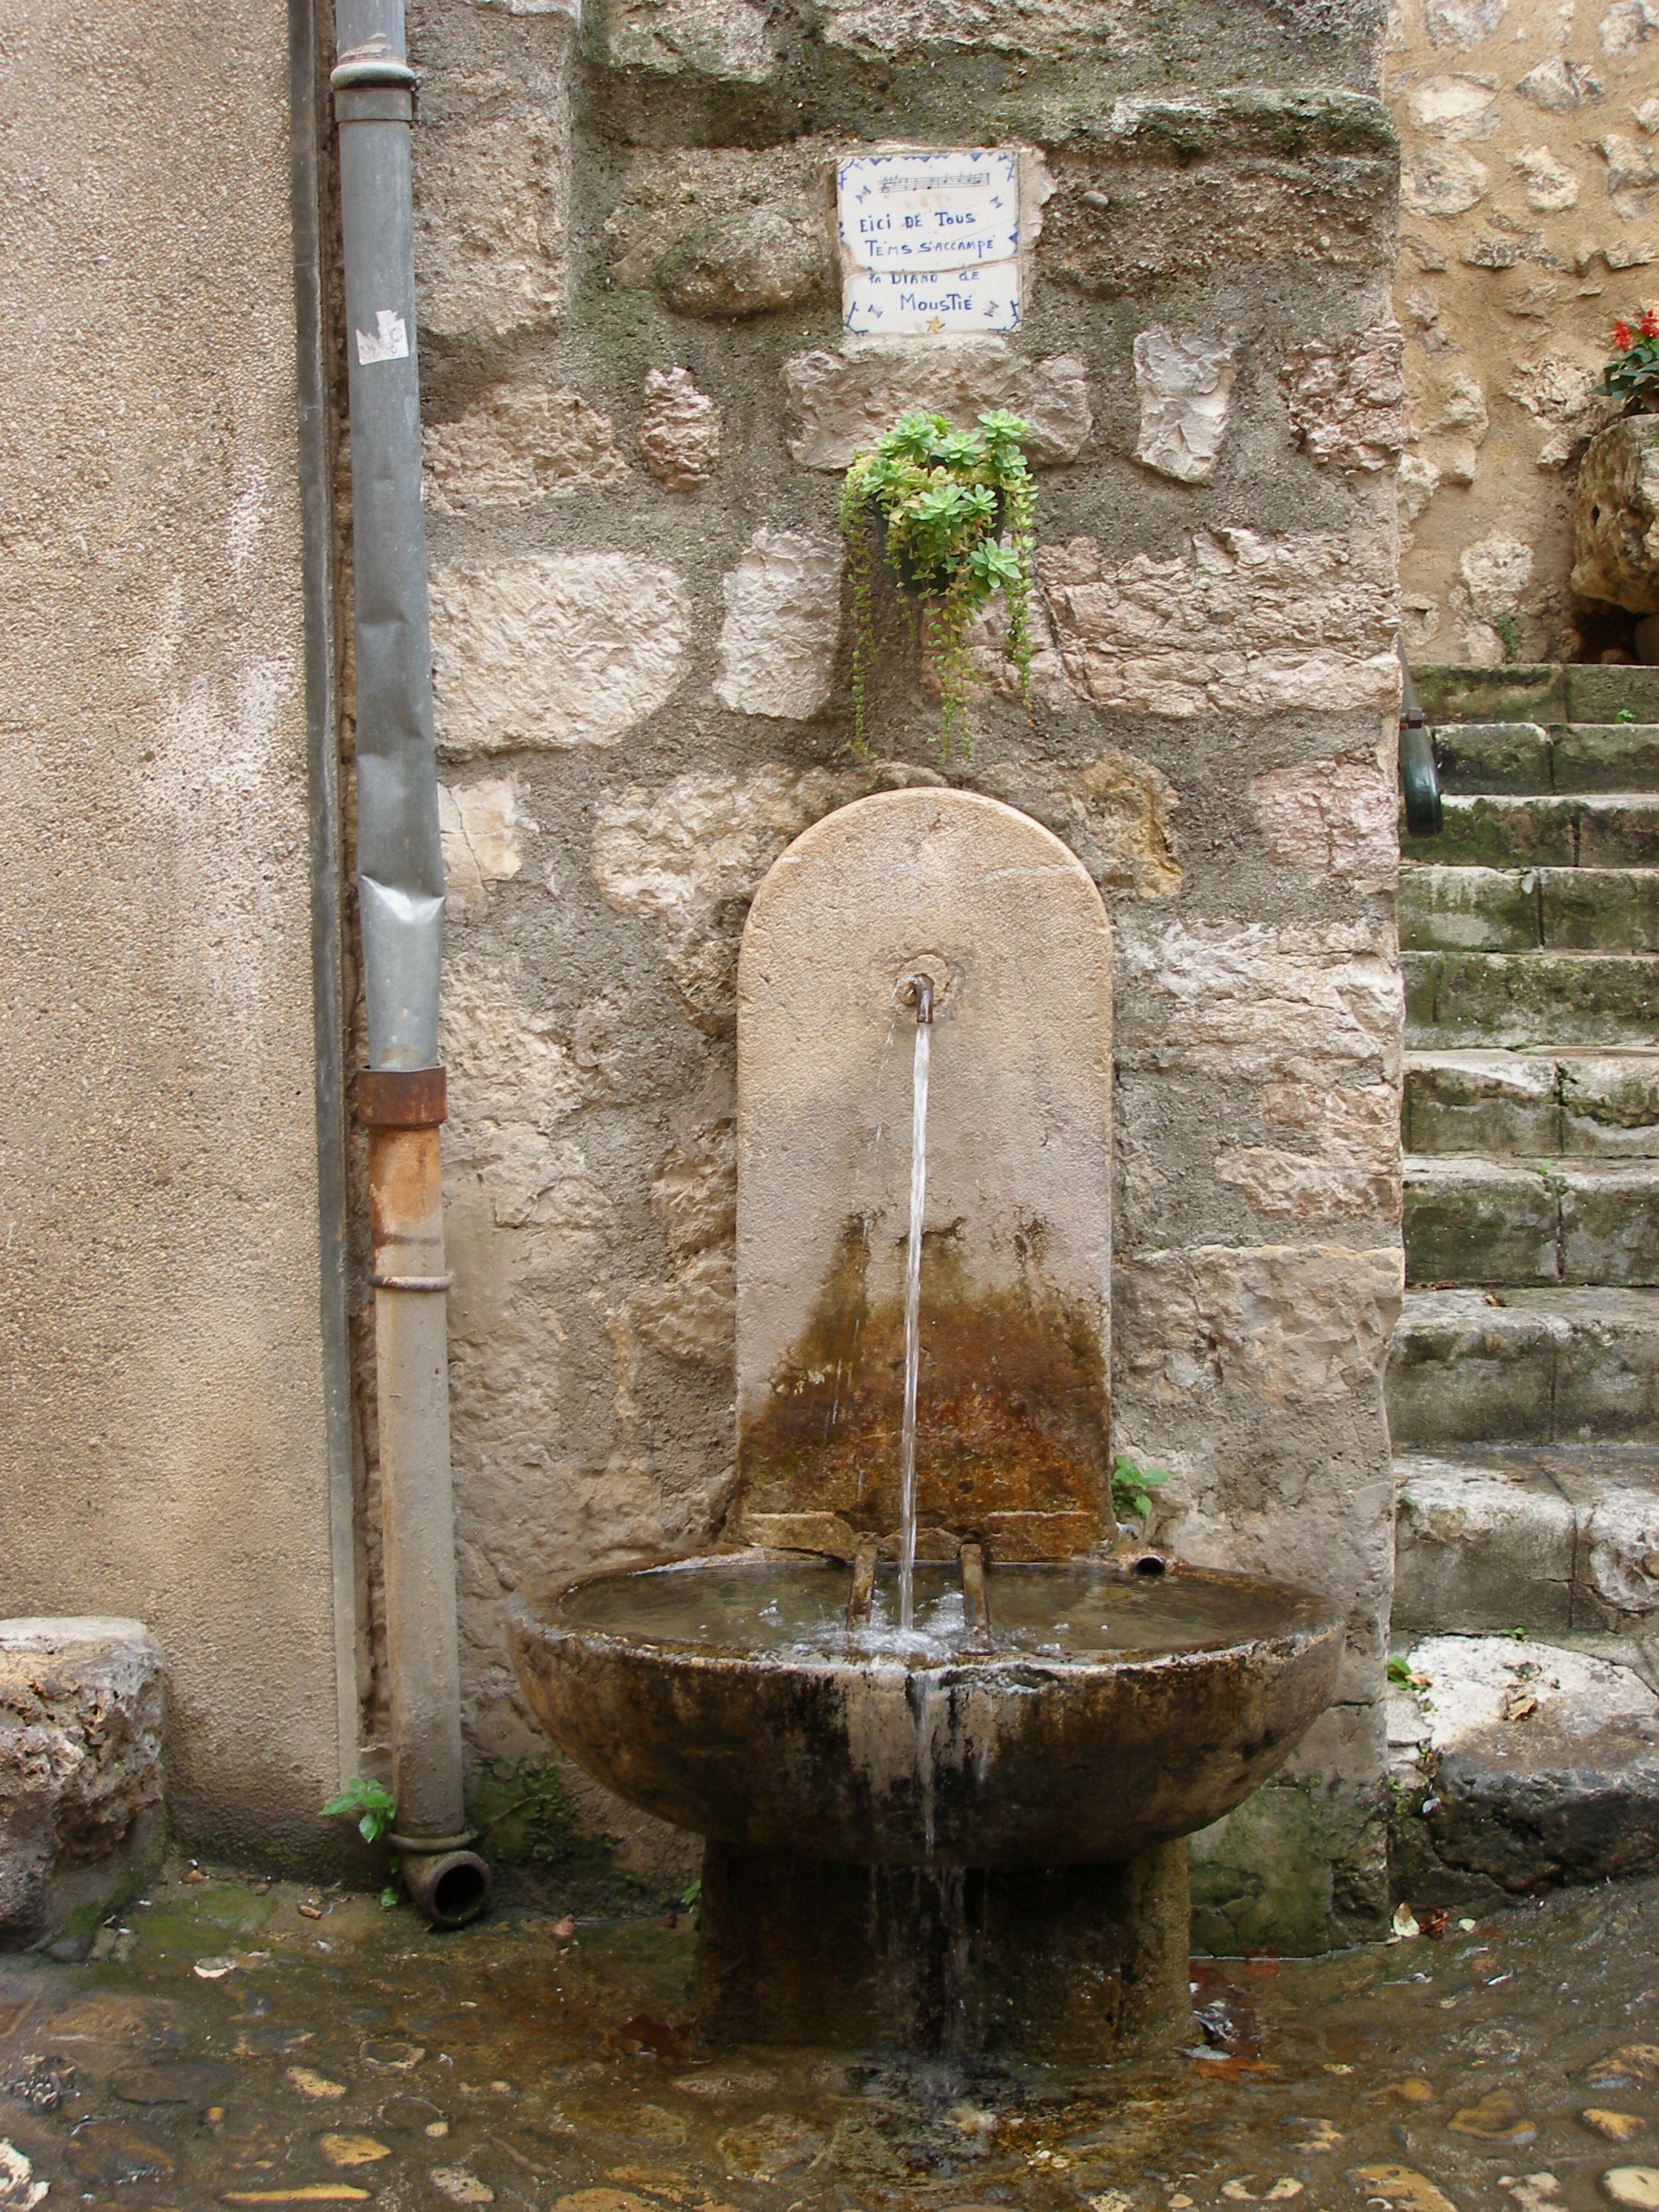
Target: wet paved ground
{"points": [[231, 2049]]}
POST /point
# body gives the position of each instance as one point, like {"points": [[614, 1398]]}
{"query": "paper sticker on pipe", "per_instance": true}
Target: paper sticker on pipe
{"points": [[390, 342]]}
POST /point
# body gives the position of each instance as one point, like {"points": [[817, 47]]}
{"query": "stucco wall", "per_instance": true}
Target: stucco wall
{"points": [[1529, 221], [637, 404], [163, 1448]]}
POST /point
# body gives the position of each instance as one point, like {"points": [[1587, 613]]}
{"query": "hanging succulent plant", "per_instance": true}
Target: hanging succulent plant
{"points": [[953, 511]]}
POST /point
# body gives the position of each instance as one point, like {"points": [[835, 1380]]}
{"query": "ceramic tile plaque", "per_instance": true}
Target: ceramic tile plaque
{"points": [[929, 242]]}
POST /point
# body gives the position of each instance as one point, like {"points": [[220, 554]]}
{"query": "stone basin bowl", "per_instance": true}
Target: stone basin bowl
{"points": [[1113, 1709]]}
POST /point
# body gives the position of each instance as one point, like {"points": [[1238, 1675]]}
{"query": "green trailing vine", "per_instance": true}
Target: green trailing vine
{"points": [[953, 510]]}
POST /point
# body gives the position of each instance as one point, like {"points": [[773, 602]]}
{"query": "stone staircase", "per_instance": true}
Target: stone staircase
{"points": [[1523, 1388]]}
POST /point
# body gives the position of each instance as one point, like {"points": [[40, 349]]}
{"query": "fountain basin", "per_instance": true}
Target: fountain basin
{"points": [[1112, 1711]]}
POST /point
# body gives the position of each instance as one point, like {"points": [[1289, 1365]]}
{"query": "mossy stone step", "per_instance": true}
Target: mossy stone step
{"points": [[1538, 691], [1605, 756], [1544, 1103], [1521, 1765], [1496, 829], [1527, 909], [1530, 999], [1528, 758], [1474, 1220], [1524, 1366], [1539, 1537]]}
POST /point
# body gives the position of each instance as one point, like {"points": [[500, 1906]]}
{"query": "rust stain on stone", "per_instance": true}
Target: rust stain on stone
{"points": [[1012, 1406]]}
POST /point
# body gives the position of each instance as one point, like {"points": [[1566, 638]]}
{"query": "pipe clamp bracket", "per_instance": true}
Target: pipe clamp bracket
{"points": [[381, 70], [401, 1097], [413, 1282]]}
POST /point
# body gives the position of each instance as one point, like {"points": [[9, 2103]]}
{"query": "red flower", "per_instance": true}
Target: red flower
{"points": [[1621, 335], [1649, 324]]}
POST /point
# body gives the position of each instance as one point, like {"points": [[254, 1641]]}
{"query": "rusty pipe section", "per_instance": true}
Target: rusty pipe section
{"points": [[403, 1110]]}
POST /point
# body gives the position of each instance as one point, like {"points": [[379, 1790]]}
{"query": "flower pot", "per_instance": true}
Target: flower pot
{"points": [[913, 582]]}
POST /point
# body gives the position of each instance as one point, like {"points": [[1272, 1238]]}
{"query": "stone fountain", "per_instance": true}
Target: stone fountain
{"points": [[967, 1830]]}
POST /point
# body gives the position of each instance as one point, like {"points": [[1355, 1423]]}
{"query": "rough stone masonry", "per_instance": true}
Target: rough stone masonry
{"points": [[1530, 219], [639, 398]]}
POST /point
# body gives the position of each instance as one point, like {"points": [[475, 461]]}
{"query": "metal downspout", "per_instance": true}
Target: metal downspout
{"points": [[401, 1096], [327, 887]]}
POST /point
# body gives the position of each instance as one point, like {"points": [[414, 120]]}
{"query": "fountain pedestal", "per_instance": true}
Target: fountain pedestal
{"points": [[1056, 1963]]}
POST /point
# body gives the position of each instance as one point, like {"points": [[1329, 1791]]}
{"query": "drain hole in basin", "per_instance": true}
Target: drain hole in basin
{"points": [[1149, 1563]]}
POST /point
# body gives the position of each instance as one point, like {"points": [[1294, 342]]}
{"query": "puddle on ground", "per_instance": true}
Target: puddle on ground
{"points": [[354, 2058]]}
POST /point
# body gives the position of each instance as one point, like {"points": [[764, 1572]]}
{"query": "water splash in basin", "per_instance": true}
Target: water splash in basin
{"points": [[782, 1610]]}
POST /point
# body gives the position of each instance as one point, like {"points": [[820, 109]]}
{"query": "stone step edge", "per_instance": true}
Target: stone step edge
{"points": [[1444, 1167], [1638, 1649], [1464, 802], [1638, 1305], [1410, 866], [1534, 953], [1462, 1054]]}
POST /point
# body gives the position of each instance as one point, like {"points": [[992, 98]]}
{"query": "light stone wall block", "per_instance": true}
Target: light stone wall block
{"points": [[1260, 1000], [1185, 384], [492, 196], [514, 446], [679, 429], [558, 650], [483, 829], [843, 401], [777, 644], [1246, 623], [1337, 817]]}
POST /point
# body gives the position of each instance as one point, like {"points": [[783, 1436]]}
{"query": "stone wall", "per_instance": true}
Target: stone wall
{"points": [[162, 1431], [638, 401], [1529, 221]]}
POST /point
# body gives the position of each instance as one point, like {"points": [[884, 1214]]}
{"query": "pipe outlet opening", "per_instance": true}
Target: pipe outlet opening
{"points": [[931, 968], [448, 1890]]}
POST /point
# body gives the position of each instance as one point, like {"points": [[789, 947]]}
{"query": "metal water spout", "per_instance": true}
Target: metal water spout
{"points": [[401, 1094]]}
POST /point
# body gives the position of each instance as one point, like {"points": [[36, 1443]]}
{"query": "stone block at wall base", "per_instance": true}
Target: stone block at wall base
{"points": [[81, 1823], [1301, 1867], [1616, 517]]}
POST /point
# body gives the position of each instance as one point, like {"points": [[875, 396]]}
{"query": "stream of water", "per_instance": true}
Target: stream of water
{"points": [[913, 1318]]}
